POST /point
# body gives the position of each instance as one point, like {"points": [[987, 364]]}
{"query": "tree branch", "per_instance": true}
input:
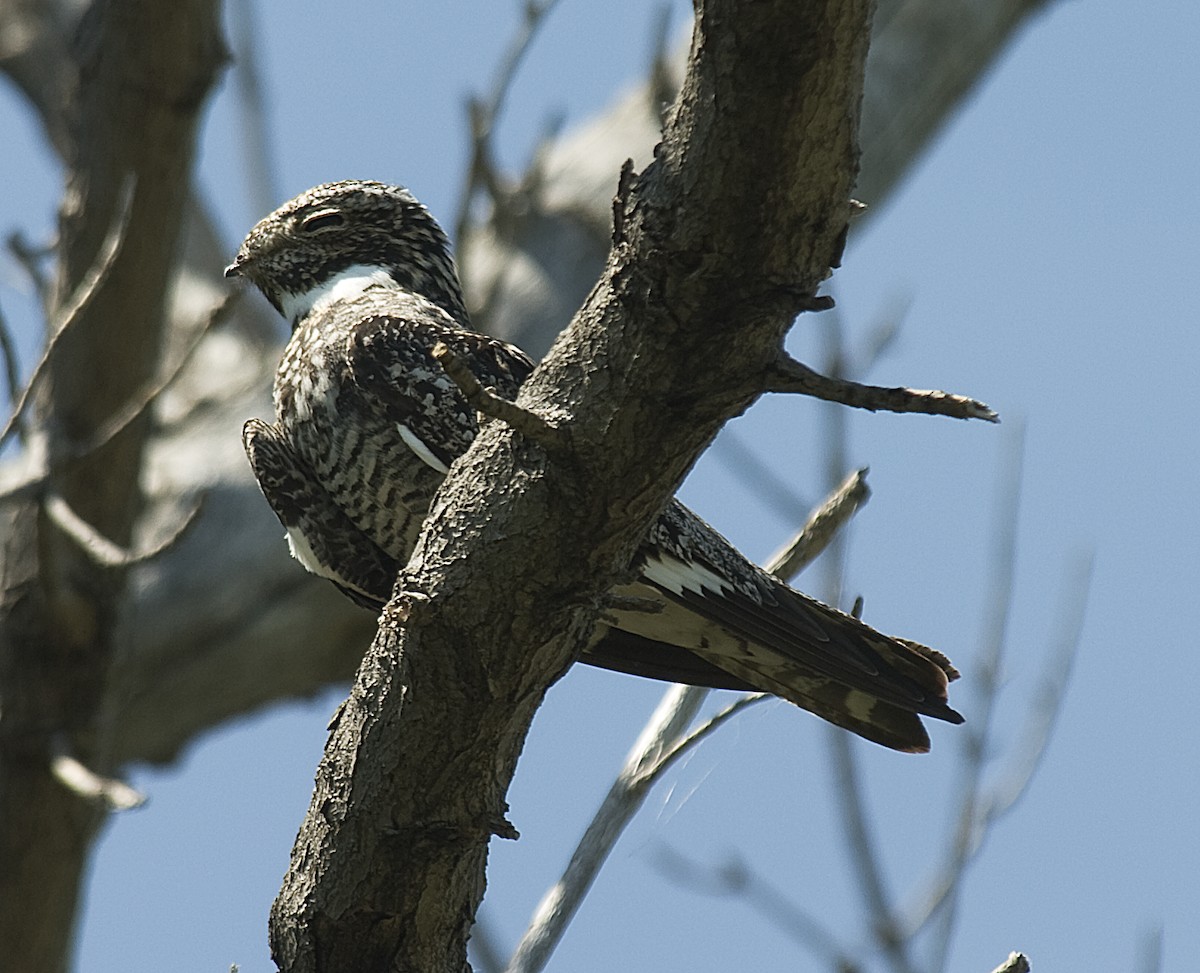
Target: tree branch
{"points": [[788, 375], [186, 625], [389, 864], [134, 78], [110, 793], [282, 633], [662, 741], [524, 421], [71, 311], [1016, 963]]}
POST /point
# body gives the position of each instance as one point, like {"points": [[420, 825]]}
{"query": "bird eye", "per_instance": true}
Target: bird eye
{"points": [[322, 220]]}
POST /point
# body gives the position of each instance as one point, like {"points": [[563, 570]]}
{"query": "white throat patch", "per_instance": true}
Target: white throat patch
{"points": [[340, 287]]}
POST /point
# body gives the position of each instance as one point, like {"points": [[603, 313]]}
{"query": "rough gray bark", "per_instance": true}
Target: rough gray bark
{"points": [[239, 639], [170, 648], [555, 252], [532, 264], [717, 245]]}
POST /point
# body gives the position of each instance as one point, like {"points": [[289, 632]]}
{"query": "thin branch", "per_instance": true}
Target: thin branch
{"points": [[258, 155], [863, 851], [528, 424], [661, 82], [860, 842], [744, 464], [113, 794], [535, 13], [790, 376], [823, 524], [72, 310], [1151, 960], [881, 336], [1014, 782], [987, 669], [674, 714], [12, 369], [29, 256], [485, 952], [483, 114], [146, 394], [99, 548], [734, 878], [662, 741], [667, 757], [1047, 699], [1016, 963]]}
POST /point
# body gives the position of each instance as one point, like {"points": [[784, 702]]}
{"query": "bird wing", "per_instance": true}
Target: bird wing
{"points": [[391, 361], [723, 621], [736, 617], [319, 534]]}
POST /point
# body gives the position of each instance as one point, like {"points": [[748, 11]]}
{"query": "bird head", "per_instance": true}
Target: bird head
{"points": [[355, 233]]}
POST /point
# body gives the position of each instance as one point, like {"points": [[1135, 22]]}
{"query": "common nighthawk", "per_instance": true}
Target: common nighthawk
{"points": [[368, 423]]}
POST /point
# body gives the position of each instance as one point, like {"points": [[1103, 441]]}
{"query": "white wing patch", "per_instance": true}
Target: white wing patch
{"points": [[421, 449], [340, 287], [676, 575], [302, 551]]}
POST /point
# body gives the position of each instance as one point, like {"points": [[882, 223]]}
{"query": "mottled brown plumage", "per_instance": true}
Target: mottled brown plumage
{"points": [[367, 424]]}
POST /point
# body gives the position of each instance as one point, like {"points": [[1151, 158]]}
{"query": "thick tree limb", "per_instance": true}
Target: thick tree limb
{"points": [[138, 75], [528, 276], [182, 647], [665, 737], [198, 652], [388, 868]]}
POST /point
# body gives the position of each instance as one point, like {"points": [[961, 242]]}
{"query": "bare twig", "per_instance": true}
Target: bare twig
{"points": [[1016, 963], [822, 525], [861, 844], [662, 741], [71, 311], [1013, 783], [667, 757], [881, 336], [112, 793], [859, 839], [257, 151], [102, 550], [29, 257], [744, 464], [1047, 699], [674, 713], [529, 424], [734, 878], [145, 395], [791, 376], [986, 676], [12, 370], [1151, 960], [483, 114], [486, 955], [661, 83]]}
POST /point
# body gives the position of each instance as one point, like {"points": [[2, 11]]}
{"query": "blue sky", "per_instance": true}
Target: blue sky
{"points": [[1047, 248]]}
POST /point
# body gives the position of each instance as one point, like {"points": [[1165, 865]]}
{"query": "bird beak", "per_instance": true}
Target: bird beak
{"points": [[241, 263]]}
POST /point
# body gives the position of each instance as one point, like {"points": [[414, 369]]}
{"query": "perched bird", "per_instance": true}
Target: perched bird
{"points": [[368, 423]]}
